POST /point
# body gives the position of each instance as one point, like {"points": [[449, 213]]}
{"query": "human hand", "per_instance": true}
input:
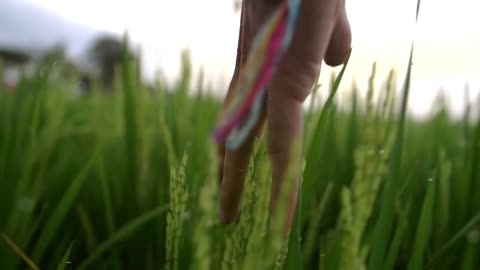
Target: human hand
{"points": [[322, 33]]}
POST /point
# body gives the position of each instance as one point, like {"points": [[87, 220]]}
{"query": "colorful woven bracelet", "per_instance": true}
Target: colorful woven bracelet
{"points": [[248, 93]]}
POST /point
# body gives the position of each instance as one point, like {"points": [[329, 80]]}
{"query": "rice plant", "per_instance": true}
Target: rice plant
{"points": [[128, 180]]}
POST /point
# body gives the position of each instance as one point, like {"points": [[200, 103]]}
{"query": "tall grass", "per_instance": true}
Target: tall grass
{"points": [[128, 181]]}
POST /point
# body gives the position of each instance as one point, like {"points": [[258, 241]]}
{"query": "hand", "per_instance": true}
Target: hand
{"points": [[322, 33]]}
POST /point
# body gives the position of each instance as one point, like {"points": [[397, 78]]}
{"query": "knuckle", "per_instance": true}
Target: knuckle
{"points": [[297, 78]]}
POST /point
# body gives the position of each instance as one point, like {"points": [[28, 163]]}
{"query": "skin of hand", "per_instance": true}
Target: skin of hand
{"points": [[322, 33]]}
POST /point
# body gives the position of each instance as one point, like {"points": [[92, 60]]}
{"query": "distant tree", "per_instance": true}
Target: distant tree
{"points": [[56, 57], [56, 54], [12, 56], [106, 53]]}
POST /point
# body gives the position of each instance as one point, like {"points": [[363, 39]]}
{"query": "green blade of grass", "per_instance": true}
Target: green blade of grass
{"points": [[314, 226], [62, 208], [423, 231], [121, 234], [445, 248], [19, 252], [107, 197], [87, 228], [130, 125], [23, 141], [64, 261], [471, 257], [474, 173], [310, 113], [396, 242], [312, 155], [352, 138], [109, 214]]}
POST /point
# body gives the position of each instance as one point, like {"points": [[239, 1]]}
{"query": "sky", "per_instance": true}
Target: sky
{"points": [[26, 26], [446, 36]]}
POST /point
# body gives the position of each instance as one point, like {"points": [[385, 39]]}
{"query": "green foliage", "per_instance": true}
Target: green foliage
{"points": [[207, 218], [370, 160], [64, 261], [176, 213], [129, 181]]}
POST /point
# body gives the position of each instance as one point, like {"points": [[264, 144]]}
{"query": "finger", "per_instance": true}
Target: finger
{"points": [[234, 173], [285, 123], [240, 60], [340, 42], [237, 160], [291, 86]]}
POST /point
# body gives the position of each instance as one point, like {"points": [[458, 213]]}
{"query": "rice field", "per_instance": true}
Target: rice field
{"points": [[127, 180]]}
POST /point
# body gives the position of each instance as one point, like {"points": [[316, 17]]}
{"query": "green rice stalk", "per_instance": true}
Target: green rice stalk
{"points": [[238, 235], [203, 238], [176, 213], [358, 200]]}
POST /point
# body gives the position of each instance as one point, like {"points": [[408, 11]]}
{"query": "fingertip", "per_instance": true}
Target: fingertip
{"points": [[228, 216], [221, 157], [340, 43], [229, 200]]}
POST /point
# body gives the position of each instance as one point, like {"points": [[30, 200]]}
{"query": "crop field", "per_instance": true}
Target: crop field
{"points": [[128, 180]]}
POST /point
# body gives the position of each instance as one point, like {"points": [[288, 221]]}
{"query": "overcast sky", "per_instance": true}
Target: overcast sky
{"points": [[24, 25], [447, 37]]}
